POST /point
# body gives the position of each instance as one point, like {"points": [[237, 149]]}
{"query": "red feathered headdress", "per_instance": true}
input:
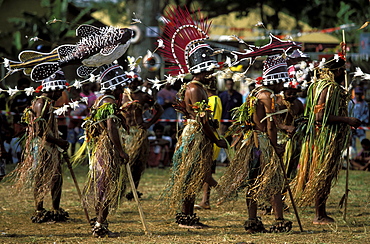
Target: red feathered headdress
{"points": [[184, 47]]}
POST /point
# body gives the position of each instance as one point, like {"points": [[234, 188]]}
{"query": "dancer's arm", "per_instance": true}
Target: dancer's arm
{"points": [[333, 119]]}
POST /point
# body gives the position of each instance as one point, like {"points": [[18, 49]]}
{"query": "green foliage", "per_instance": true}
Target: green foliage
{"points": [[105, 111], [17, 40], [53, 27], [115, 11]]}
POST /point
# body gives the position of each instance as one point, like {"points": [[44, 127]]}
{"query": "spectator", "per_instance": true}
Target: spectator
{"points": [[159, 148], [148, 88], [359, 109], [172, 131], [230, 99], [362, 160], [166, 97], [4, 97], [62, 120], [12, 147], [75, 130], [19, 102], [3, 155], [87, 92]]}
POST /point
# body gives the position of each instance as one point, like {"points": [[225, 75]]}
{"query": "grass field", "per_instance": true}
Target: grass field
{"points": [[226, 221]]}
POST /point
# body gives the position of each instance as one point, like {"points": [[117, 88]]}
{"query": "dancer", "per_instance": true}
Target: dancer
{"points": [[42, 155], [216, 107], [325, 137], [192, 159], [107, 156], [134, 103], [256, 163], [288, 123]]}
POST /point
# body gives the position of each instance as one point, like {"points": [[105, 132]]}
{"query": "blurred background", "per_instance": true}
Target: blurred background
{"points": [[44, 24]]}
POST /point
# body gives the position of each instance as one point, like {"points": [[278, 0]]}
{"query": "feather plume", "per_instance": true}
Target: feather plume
{"points": [[181, 29]]}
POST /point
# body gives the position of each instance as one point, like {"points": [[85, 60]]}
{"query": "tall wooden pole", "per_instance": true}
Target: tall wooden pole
{"points": [[347, 168]]}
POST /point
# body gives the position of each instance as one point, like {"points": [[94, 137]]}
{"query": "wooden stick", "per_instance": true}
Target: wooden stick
{"points": [[290, 195], [347, 170], [346, 190], [65, 156], [142, 217]]}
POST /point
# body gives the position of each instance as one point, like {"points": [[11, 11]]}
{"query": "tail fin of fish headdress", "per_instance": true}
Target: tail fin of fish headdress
{"points": [[29, 59], [183, 37], [275, 46]]}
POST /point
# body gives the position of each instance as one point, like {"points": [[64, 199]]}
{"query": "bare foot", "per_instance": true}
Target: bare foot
{"points": [[202, 206], [198, 225], [323, 220]]}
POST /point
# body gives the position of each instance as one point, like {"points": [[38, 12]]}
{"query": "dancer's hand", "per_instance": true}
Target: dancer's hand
{"points": [[354, 122], [124, 156], [63, 145], [290, 130], [221, 143], [145, 126], [280, 150]]}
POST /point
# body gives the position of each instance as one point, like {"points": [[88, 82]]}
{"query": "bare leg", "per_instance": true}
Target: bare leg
{"points": [[40, 215], [56, 191], [188, 219], [188, 206], [204, 204], [209, 182], [39, 201], [103, 213], [39, 204], [366, 167], [100, 226], [320, 211], [252, 208], [277, 206], [280, 225], [253, 224]]}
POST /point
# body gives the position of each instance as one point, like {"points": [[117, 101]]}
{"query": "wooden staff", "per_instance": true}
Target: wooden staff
{"points": [[66, 158], [347, 168], [133, 188], [290, 194]]}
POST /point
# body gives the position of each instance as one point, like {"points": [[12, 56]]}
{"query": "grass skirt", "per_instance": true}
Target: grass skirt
{"points": [[254, 167], [40, 167], [137, 146], [107, 176], [191, 161], [319, 165], [319, 161]]}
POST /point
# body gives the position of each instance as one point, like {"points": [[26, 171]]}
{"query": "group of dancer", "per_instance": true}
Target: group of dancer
{"points": [[272, 135], [311, 138], [113, 115]]}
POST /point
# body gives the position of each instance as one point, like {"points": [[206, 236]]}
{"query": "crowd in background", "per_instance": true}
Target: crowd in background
{"points": [[162, 136]]}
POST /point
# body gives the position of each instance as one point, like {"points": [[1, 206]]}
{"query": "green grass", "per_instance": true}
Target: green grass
{"points": [[226, 220]]}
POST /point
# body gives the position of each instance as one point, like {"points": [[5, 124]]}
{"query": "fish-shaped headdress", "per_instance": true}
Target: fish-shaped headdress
{"points": [[275, 70], [111, 76], [55, 82], [96, 47], [184, 47]]}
